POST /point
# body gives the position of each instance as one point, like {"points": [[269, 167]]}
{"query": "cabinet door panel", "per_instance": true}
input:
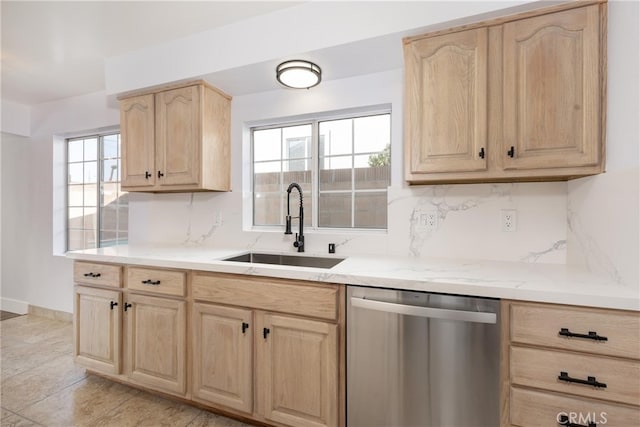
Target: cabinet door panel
{"points": [[222, 356], [97, 325], [552, 89], [137, 126], [156, 330], [178, 133], [446, 103], [298, 371]]}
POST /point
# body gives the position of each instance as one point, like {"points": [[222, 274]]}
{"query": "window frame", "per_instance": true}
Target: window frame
{"points": [[315, 120], [99, 136]]}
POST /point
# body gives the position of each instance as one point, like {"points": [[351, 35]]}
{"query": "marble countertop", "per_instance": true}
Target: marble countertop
{"points": [[552, 283]]}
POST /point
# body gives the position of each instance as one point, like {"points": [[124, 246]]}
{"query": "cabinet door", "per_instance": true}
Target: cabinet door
{"points": [[97, 329], [178, 136], [297, 369], [446, 103], [156, 345], [551, 91], [137, 127], [222, 356]]}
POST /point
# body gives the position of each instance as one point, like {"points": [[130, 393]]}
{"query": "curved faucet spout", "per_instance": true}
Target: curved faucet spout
{"points": [[299, 243]]}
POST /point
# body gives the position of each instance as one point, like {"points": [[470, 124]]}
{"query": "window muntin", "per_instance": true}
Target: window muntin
{"points": [[343, 166], [97, 208]]}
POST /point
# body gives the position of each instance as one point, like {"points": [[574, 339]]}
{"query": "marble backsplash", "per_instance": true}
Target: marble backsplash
{"points": [[468, 223]]}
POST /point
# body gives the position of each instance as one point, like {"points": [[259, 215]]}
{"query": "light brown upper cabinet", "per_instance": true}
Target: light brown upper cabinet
{"points": [[519, 98], [176, 139]]}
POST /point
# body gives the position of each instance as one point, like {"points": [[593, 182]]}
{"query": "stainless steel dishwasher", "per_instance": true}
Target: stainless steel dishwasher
{"points": [[417, 359]]}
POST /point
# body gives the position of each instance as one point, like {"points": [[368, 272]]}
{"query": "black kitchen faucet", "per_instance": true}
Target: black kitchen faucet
{"points": [[299, 243]]}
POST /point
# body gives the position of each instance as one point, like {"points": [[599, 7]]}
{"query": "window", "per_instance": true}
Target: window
{"points": [[97, 209], [343, 166]]}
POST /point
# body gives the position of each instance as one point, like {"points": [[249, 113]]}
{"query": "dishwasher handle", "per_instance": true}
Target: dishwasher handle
{"points": [[429, 312]]}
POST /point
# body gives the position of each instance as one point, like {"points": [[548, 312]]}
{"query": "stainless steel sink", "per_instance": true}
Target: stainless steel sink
{"points": [[292, 260]]}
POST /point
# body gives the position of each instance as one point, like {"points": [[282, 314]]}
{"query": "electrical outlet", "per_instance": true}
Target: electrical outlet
{"points": [[508, 219], [428, 221]]}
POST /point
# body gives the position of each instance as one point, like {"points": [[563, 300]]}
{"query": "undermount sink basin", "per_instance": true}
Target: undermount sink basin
{"points": [[292, 260]]}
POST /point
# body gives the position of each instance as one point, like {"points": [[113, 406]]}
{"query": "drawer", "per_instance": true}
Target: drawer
{"points": [[268, 294], [166, 282], [97, 274], [530, 408], [541, 325], [541, 368]]}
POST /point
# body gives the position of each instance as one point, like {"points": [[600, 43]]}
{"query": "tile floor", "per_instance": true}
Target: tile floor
{"points": [[41, 386]]}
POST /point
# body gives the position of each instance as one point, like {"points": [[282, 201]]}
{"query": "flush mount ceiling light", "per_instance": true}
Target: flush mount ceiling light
{"points": [[298, 74]]}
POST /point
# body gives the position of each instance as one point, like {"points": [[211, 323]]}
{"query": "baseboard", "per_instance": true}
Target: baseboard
{"points": [[48, 313], [14, 305]]}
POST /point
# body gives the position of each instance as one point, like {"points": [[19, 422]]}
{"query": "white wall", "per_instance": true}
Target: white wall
{"points": [[469, 215], [30, 271], [16, 118], [604, 220]]}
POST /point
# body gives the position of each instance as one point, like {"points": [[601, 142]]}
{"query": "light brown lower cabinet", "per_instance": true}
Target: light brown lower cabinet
{"points": [[263, 349], [569, 365], [97, 329], [156, 343]]}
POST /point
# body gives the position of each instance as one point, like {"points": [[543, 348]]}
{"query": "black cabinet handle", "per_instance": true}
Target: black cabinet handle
{"points": [[481, 153], [511, 152], [564, 421], [265, 332], [126, 305], [92, 275], [244, 327], [160, 174], [113, 304], [151, 282], [589, 381], [147, 175], [565, 332]]}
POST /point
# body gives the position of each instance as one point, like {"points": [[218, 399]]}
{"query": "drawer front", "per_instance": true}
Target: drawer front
{"points": [[541, 325], [541, 369], [165, 282], [268, 294], [534, 409], [97, 274]]}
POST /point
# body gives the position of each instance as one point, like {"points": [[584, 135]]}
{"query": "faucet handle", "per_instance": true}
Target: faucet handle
{"points": [[287, 224]]}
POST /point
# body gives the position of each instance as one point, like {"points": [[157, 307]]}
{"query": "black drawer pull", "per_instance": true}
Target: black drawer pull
{"points": [[565, 332], [511, 152], [265, 332], [147, 175], [126, 305], [481, 153], [151, 282], [564, 421], [244, 327], [113, 304], [589, 381], [91, 274]]}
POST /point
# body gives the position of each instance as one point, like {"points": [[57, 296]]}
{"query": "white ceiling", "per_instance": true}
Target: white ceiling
{"points": [[53, 50]]}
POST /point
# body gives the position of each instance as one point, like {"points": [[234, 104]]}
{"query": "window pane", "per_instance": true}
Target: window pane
{"points": [[334, 210], [335, 179], [75, 173], [90, 240], [74, 150], [90, 218], [267, 177], [110, 146], [91, 172], [91, 149], [109, 217], [76, 218], [75, 195], [267, 144], [297, 141], [371, 210], [335, 137], [75, 240], [367, 178], [110, 170], [90, 194], [303, 178], [109, 194], [268, 208], [372, 133]]}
